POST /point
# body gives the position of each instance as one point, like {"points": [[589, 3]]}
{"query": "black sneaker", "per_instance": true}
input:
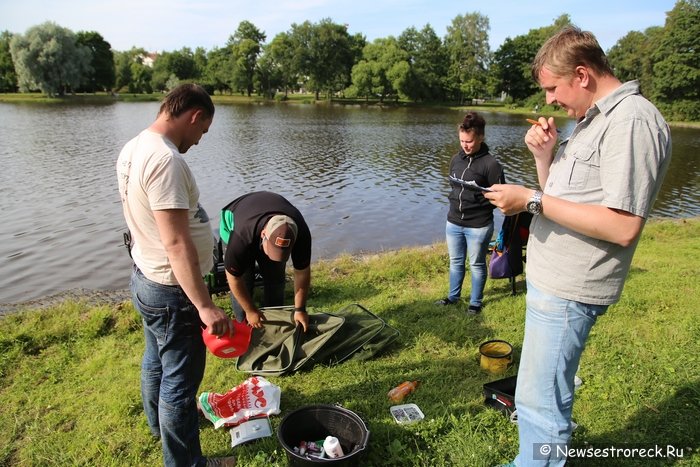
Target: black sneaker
{"points": [[474, 310], [444, 302]]}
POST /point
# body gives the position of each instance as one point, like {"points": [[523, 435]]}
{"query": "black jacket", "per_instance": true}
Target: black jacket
{"points": [[469, 208]]}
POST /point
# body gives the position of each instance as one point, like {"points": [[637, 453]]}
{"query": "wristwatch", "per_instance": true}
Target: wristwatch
{"points": [[534, 204]]}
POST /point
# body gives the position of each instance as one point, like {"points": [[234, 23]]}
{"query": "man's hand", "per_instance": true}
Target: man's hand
{"points": [[216, 320], [255, 318], [510, 199], [541, 139], [302, 317]]}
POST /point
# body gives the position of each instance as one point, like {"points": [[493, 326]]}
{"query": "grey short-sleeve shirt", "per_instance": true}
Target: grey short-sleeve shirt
{"points": [[617, 157]]}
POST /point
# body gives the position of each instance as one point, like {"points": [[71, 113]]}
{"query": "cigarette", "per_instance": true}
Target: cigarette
{"points": [[535, 122]]}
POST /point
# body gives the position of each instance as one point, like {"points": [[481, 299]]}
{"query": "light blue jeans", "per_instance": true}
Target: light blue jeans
{"points": [[460, 241], [555, 336], [171, 369]]}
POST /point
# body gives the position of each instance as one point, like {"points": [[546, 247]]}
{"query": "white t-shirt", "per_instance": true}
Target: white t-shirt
{"points": [[154, 176]]}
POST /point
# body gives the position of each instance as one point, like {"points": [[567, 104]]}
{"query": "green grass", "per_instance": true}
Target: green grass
{"points": [[69, 374]]}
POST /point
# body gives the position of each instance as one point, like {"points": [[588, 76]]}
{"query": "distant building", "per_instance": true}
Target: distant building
{"points": [[148, 59]]}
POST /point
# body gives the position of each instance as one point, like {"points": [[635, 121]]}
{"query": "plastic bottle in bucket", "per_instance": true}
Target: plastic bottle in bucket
{"points": [[232, 345], [332, 447]]}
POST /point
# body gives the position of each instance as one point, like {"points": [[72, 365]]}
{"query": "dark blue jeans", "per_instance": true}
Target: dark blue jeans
{"points": [[172, 368]]}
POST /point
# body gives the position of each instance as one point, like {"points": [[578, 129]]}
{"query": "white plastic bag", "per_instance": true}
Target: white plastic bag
{"points": [[254, 397]]}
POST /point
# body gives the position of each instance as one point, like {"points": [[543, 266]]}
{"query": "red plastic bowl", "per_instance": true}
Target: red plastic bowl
{"points": [[233, 345]]}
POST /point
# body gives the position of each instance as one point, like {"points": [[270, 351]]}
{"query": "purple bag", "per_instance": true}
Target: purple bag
{"points": [[507, 253], [504, 264]]}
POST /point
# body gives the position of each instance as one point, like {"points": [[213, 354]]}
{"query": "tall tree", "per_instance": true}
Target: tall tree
{"points": [[467, 44], [676, 79], [431, 63], [281, 54], [102, 74], [268, 75], [372, 75], [218, 70], [132, 73], [200, 62], [180, 64], [48, 58], [632, 57], [246, 46], [512, 61], [428, 60], [8, 77], [511, 66], [411, 86], [122, 69], [141, 77], [325, 54]]}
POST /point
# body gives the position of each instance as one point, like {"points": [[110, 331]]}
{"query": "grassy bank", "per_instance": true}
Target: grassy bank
{"points": [[69, 374]]}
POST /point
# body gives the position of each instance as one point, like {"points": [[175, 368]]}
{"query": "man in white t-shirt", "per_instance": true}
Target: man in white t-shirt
{"points": [[173, 247]]}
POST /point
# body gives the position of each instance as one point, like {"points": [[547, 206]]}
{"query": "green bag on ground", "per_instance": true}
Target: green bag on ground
{"points": [[281, 347]]}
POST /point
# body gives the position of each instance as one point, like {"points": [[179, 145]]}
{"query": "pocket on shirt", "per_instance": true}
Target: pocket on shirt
{"points": [[584, 166]]}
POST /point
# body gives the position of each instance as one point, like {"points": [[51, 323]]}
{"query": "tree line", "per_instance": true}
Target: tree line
{"points": [[323, 58]]}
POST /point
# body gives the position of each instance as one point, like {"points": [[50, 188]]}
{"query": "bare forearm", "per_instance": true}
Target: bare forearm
{"points": [[595, 221], [302, 282], [240, 293], [185, 263], [542, 171], [541, 140], [173, 227]]}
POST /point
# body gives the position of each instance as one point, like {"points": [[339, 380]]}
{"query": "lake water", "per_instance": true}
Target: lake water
{"points": [[366, 180]]}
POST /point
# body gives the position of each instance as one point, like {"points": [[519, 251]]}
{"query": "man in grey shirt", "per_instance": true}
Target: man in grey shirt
{"points": [[597, 192]]}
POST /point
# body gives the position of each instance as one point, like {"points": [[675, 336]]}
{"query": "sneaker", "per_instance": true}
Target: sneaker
{"points": [[221, 461], [444, 302], [577, 382], [474, 310]]}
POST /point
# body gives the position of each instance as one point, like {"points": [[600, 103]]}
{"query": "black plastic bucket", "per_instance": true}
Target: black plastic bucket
{"points": [[315, 422]]}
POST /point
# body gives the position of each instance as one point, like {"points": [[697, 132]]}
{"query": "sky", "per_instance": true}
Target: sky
{"points": [[168, 25]]}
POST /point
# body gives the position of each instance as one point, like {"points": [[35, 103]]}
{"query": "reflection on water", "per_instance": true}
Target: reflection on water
{"points": [[365, 180]]}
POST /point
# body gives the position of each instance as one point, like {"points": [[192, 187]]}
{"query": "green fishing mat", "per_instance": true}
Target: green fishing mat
{"points": [[281, 347]]}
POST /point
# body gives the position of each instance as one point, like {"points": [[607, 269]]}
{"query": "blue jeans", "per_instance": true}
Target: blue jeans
{"points": [[555, 336], [171, 369], [475, 241]]}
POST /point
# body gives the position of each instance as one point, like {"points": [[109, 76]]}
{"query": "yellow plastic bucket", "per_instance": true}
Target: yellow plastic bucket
{"points": [[496, 356]]}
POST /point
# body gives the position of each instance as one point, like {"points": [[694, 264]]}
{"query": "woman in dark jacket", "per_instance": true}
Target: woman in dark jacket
{"points": [[470, 217]]}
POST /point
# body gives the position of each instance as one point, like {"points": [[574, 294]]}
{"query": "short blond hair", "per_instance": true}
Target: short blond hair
{"points": [[570, 48]]}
